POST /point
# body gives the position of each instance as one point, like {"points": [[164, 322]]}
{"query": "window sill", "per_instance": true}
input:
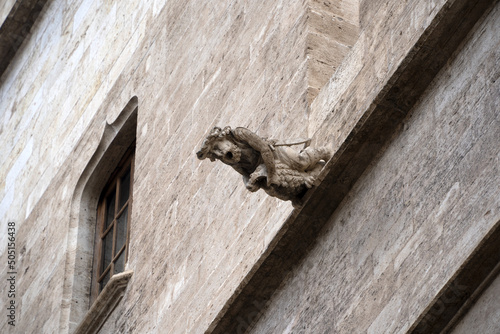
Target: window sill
{"points": [[104, 304]]}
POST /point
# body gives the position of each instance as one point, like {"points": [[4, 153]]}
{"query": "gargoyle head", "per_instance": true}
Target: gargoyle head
{"points": [[220, 145]]}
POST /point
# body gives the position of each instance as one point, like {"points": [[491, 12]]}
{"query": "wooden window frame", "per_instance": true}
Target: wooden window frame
{"points": [[114, 183]]}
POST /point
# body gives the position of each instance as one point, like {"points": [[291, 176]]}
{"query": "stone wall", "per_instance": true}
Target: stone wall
{"points": [[413, 217], [284, 70], [191, 65], [484, 316]]}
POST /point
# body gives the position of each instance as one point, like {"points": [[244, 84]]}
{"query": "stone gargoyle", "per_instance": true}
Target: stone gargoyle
{"points": [[266, 164]]}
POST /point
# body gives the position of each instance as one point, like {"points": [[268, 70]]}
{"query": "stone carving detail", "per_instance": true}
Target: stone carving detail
{"points": [[268, 164]]}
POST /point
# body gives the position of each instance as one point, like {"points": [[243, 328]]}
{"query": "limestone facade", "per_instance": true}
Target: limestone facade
{"points": [[406, 93]]}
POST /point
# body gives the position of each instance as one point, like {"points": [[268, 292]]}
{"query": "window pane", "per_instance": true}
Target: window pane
{"points": [[124, 188], [121, 230], [104, 280], [110, 208], [120, 263], [107, 248]]}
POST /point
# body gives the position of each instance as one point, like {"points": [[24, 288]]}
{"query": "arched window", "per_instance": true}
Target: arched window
{"points": [[97, 249], [113, 224]]}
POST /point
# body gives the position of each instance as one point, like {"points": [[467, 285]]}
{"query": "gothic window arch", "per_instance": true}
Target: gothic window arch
{"points": [[114, 144]]}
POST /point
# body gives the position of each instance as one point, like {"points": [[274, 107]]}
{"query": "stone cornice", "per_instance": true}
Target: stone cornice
{"points": [[464, 288], [104, 304]]}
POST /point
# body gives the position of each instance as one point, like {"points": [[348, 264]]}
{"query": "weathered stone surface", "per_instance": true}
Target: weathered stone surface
{"points": [[358, 147], [399, 236], [16, 20], [196, 243], [484, 317], [191, 65], [332, 28], [461, 291], [5, 9]]}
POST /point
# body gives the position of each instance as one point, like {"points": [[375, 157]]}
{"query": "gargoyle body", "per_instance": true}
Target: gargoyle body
{"points": [[266, 164]]}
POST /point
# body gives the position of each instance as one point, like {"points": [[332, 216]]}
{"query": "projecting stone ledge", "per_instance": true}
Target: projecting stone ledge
{"points": [[16, 23], [104, 304]]}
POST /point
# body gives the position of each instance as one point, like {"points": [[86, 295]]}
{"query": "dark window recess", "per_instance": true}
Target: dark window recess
{"points": [[113, 224]]}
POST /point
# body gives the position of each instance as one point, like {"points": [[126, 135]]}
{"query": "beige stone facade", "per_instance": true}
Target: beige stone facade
{"points": [[400, 234]]}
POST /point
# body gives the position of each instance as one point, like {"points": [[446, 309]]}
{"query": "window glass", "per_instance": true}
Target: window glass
{"points": [[110, 209], [105, 280], [121, 231], [107, 248], [120, 262], [124, 188]]}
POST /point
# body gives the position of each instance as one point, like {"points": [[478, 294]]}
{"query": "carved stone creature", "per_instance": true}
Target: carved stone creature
{"points": [[265, 163]]}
